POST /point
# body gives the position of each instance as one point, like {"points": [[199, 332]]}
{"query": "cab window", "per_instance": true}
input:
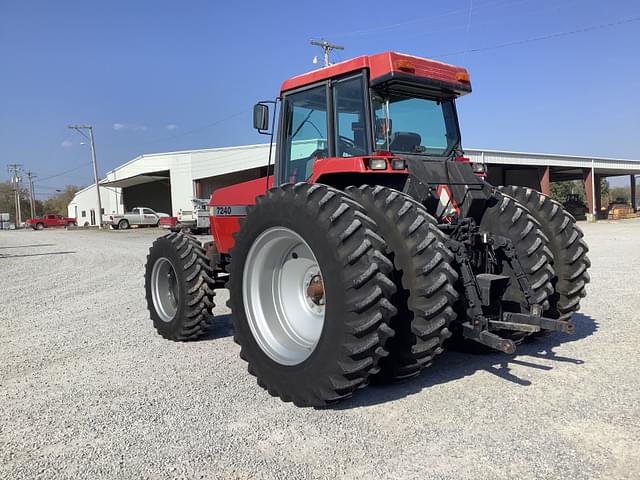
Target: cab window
{"points": [[348, 106], [305, 132], [147, 211]]}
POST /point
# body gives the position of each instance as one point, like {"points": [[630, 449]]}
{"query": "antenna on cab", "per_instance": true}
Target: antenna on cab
{"points": [[326, 48]]}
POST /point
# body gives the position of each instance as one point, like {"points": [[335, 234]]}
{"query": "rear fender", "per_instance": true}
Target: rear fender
{"points": [[342, 172], [228, 205]]}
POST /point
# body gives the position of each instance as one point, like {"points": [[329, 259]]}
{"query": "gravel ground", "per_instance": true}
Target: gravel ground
{"points": [[88, 390]]}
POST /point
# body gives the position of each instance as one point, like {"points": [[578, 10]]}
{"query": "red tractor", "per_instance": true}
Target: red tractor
{"points": [[372, 241]]}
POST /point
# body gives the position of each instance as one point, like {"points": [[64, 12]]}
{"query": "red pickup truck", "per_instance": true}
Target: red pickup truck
{"points": [[50, 220]]}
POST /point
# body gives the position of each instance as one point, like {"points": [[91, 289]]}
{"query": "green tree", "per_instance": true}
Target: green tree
{"points": [[604, 191], [8, 202], [560, 190], [616, 193], [59, 202], [55, 204]]}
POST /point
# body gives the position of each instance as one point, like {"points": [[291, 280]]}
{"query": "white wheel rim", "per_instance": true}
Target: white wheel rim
{"points": [[164, 289], [283, 296]]}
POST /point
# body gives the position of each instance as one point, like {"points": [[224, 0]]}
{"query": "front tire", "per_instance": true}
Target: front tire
{"points": [[308, 252], [40, 226], [179, 287]]}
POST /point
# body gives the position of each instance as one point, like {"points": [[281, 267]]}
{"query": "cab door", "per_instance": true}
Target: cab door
{"points": [[304, 135]]}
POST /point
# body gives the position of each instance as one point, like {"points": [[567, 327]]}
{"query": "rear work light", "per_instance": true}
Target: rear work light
{"points": [[398, 164], [463, 77], [378, 163]]}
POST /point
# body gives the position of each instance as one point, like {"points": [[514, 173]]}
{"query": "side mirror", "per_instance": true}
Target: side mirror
{"points": [[261, 117]]}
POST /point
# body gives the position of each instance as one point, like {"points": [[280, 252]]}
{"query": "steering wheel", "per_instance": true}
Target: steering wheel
{"points": [[347, 141], [348, 146], [319, 153]]}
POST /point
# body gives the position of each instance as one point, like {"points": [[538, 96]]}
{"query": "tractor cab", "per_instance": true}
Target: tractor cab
{"points": [[381, 105]]}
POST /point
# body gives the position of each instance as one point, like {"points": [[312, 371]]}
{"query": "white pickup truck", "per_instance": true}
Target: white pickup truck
{"points": [[137, 216]]}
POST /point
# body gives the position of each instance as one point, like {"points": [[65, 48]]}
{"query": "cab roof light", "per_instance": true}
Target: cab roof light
{"points": [[405, 66], [463, 77]]}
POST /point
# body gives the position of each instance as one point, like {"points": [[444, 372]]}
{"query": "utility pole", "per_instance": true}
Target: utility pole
{"points": [[79, 128], [594, 202], [14, 169], [31, 176], [326, 48]]}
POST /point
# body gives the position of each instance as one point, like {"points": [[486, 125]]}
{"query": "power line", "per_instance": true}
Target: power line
{"points": [[544, 37], [468, 28], [448, 28], [65, 172], [199, 129], [393, 26], [181, 134]]}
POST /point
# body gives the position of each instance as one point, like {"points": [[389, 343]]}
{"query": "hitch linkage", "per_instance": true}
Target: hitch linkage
{"points": [[477, 328]]}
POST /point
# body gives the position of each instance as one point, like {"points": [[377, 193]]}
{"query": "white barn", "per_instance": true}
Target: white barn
{"points": [[166, 182]]}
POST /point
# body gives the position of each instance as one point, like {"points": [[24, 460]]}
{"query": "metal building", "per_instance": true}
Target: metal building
{"points": [[166, 182]]}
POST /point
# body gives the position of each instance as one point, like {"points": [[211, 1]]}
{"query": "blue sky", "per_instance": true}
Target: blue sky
{"points": [[163, 75]]}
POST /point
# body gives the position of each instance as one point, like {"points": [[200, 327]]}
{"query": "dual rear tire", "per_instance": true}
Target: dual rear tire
{"points": [[567, 245], [423, 274], [383, 282]]}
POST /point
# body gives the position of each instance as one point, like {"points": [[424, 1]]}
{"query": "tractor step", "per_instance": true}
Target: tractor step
{"points": [[221, 279]]}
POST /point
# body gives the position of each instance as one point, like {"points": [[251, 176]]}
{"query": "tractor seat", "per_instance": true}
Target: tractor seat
{"points": [[405, 142]]}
